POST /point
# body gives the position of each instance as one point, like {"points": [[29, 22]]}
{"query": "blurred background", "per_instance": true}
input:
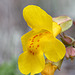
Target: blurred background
{"points": [[13, 26]]}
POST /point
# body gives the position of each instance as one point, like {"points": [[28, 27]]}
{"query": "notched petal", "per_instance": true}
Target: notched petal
{"points": [[29, 63]]}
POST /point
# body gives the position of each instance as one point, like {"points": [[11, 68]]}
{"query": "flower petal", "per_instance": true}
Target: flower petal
{"points": [[31, 63], [25, 38], [32, 39], [56, 29], [54, 49], [37, 18]]}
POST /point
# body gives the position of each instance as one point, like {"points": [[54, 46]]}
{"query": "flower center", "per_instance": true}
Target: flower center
{"points": [[33, 45]]}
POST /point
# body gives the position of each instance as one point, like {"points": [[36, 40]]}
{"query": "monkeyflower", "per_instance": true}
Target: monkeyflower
{"points": [[40, 41]]}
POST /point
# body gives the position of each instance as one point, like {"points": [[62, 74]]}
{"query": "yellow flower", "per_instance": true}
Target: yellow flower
{"points": [[40, 40]]}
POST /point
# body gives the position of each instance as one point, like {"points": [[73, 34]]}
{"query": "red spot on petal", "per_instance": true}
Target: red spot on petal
{"points": [[32, 40], [33, 53], [32, 46], [46, 32], [35, 36], [30, 51], [37, 45], [38, 40], [40, 34], [31, 43], [29, 46]]}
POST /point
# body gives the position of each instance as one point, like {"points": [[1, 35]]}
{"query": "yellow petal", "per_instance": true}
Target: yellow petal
{"points": [[29, 63], [56, 29], [54, 49], [25, 38], [37, 18], [32, 39]]}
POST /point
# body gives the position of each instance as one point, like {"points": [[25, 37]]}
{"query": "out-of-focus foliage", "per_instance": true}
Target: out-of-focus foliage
{"points": [[9, 68]]}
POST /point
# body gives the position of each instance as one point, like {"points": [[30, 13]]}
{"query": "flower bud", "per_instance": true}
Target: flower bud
{"points": [[70, 52], [67, 40], [64, 21], [73, 44], [49, 69]]}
